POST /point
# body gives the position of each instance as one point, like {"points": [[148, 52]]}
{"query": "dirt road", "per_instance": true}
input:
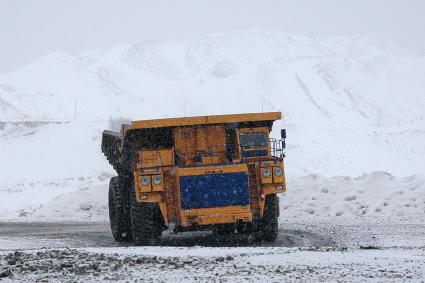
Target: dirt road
{"points": [[319, 251]]}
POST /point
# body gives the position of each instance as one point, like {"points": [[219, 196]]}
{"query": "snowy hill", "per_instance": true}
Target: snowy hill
{"points": [[352, 80], [340, 97], [352, 105]]}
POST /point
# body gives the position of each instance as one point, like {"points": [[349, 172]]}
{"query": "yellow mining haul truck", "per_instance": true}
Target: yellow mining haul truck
{"points": [[221, 173]]}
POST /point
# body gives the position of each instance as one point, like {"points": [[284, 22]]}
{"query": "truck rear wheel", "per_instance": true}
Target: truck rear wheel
{"points": [[146, 220], [118, 203], [270, 223]]}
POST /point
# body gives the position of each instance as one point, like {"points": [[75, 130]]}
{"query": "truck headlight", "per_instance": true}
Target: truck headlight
{"points": [[146, 180], [157, 180], [278, 171], [267, 172]]}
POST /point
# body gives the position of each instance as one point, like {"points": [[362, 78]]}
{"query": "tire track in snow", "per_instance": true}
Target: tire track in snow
{"points": [[307, 92]]}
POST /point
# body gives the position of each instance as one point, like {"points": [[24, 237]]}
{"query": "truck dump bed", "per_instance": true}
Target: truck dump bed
{"points": [[113, 143]]}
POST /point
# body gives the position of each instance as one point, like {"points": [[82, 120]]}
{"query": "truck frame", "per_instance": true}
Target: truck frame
{"points": [[221, 173]]}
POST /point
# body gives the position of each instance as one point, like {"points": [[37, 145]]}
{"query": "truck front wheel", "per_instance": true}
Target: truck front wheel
{"points": [[146, 220], [270, 223], [118, 203]]}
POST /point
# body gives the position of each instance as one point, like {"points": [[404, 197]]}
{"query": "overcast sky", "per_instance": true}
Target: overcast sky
{"points": [[33, 28]]}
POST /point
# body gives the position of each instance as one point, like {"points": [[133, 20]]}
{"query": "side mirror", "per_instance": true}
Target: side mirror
{"points": [[283, 133]]}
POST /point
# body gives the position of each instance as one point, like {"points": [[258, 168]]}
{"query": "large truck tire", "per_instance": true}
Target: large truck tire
{"points": [[270, 223], [118, 202], [146, 220]]}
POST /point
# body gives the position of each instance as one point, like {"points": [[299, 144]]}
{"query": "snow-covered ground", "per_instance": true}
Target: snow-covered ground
{"points": [[235, 265], [374, 196], [330, 251]]}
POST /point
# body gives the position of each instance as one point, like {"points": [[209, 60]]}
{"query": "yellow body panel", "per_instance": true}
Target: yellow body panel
{"points": [[144, 189], [156, 158], [194, 143], [205, 120], [219, 218], [150, 197], [211, 169], [272, 189], [220, 215], [264, 179], [279, 179], [157, 187], [139, 186], [208, 160]]}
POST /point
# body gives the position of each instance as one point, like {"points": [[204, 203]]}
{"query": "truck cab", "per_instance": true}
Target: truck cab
{"points": [[221, 173]]}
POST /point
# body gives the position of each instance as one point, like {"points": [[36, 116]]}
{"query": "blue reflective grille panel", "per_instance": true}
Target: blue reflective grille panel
{"points": [[214, 190]]}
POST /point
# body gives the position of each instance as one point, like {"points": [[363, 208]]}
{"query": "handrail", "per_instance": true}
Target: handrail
{"points": [[277, 148]]}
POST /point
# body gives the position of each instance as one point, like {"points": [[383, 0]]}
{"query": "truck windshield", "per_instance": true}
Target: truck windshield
{"points": [[253, 139]]}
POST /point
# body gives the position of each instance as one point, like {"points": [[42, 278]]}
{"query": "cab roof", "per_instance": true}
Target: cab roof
{"points": [[206, 120]]}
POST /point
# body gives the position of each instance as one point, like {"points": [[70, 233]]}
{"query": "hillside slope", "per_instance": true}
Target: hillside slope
{"points": [[351, 105], [353, 80]]}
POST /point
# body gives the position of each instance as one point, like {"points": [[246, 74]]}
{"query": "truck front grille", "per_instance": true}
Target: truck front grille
{"points": [[214, 190]]}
